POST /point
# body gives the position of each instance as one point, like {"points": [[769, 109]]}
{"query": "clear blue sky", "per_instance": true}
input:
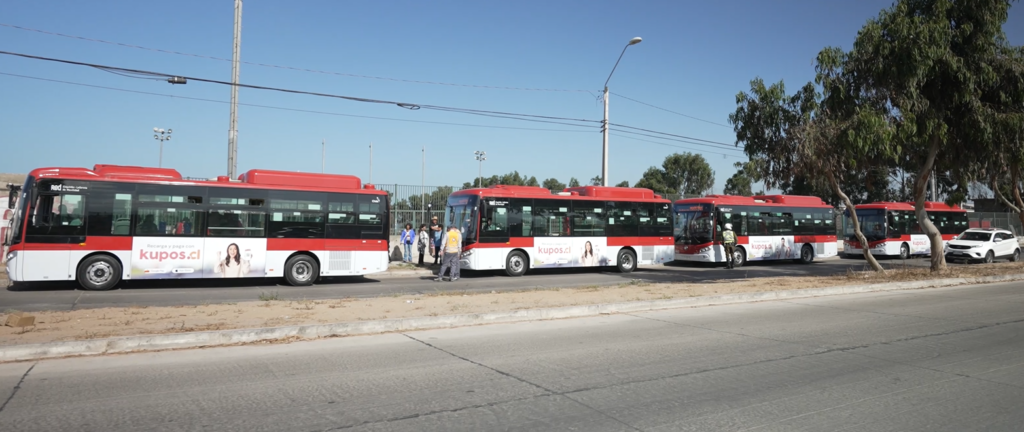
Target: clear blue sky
{"points": [[695, 57]]}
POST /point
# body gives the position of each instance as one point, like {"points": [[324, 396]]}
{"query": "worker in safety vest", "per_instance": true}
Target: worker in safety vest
{"points": [[729, 241]]}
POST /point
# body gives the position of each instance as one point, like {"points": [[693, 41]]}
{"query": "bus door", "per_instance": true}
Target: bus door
{"points": [[56, 225]]}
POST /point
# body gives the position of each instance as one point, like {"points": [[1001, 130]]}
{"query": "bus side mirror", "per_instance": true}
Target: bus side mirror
{"points": [[12, 197]]}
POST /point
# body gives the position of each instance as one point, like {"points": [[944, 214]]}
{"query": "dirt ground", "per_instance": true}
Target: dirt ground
{"points": [[270, 312]]}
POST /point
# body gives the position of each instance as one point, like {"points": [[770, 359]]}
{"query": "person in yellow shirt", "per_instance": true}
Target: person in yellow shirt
{"points": [[452, 251]]}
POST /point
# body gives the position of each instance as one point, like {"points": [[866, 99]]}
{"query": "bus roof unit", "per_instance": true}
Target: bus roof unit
{"points": [[294, 179]]}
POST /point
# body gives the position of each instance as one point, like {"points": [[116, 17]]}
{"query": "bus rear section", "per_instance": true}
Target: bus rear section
{"points": [[115, 223], [767, 227], [892, 229], [517, 228]]}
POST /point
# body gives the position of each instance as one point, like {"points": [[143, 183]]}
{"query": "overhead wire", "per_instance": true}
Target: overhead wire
{"points": [[289, 109], [287, 67], [670, 111], [406, 105], [677, 146]]}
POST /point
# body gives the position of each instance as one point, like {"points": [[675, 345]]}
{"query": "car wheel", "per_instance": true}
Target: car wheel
{"points": [[806, 254], [626, 261], [990, 257], [99, 273], [904, 251], [1016, 255], [739, 257], [515, 264], [301, 270]]}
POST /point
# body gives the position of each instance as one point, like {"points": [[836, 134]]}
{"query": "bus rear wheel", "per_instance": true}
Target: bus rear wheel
{"points": [[99, 273], [739, 257], [626, 261], [301, 270], [515, 264], [806, 254]]}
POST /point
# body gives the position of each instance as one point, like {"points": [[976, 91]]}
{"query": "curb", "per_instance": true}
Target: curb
{"points": [[130, 344]]}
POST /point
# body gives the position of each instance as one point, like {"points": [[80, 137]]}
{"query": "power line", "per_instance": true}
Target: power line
{"points": [[288, 109], [702, 144], [676, 146], [287, 67], [407, 105], [673, 112], [671, 135]]}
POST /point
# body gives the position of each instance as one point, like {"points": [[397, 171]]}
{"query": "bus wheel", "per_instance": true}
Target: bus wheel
{"points": [[626, 262], [301, 270], [739, 257], [807, 254], [515, 264], [99, 273], [904, 251]]}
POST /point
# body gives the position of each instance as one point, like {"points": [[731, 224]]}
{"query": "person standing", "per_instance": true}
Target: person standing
{"points": [[423, 242], [437, 233], [406, 240], [452, 252], [729, 241]]}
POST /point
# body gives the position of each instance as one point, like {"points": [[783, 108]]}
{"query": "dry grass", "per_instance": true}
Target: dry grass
{"points": [[270, 310], [11, 178]]}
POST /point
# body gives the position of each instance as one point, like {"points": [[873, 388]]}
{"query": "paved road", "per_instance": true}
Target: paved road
{"points": [[926, 360], [64, 296]]}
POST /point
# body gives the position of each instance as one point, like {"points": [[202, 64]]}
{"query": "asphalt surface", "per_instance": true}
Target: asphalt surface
{"points": [[66, 296], [926, 360]]}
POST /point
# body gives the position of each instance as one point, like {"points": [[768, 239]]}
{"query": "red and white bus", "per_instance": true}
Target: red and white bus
{"points": [[767, 227], [891, 228], [114, 223], [516, 228]]}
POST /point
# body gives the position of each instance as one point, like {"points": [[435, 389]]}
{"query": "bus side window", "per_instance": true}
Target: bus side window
{"points": [[58, 215], [520, 218]]}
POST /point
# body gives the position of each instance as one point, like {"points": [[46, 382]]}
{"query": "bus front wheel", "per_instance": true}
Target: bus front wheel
{"points": [[301, 270], [904, 252], [515, 264], [99, 273], [626, 261]]}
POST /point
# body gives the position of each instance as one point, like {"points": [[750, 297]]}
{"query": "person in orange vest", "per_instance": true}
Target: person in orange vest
{"points": [[452, 251]]}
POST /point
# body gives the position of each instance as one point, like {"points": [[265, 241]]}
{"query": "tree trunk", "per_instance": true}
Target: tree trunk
{"points": [[920, 189], [856, 225], [1015, 176]]}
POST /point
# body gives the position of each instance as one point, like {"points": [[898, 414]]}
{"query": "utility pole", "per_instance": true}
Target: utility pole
{"points": [[935, 190], [235, 55], [323, 154], [423, 182], [481, 157]]}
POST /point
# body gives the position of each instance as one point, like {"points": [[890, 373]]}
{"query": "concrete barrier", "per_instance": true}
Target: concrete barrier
{"points": [[144, 343]]}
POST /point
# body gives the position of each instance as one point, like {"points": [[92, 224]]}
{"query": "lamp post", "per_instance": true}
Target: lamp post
{"points": [[604, 128], [481, 157], [161, 135]]}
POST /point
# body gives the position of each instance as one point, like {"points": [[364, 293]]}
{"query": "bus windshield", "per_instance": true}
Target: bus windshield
{"points": [[14, 231], [693, 224], [462, 214], [872, 224]]}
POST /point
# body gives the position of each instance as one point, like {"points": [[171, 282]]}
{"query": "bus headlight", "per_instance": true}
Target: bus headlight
{"points": [[12, 255], [707, 249], [466, 254]]}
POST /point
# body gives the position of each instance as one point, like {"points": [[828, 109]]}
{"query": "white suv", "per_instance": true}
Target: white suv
{"points": [[983, 244]]}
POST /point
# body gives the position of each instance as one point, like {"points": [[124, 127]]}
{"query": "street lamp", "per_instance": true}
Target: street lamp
{"points": [[481, 157], [604, 154], [161, 135]]}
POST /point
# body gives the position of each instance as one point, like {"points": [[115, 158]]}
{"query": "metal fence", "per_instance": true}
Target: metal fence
{"points": [[415, 204], [1008, 221]]}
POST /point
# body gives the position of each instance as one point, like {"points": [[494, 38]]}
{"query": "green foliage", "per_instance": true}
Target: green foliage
{"points": [[680, 174], [573, 182], [554, 185], [740, 183], [596, 181], [624, 183]]}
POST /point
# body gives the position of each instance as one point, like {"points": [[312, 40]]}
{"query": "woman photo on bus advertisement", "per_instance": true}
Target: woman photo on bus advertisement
{"points": [[233, 265], [588, 259]]}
